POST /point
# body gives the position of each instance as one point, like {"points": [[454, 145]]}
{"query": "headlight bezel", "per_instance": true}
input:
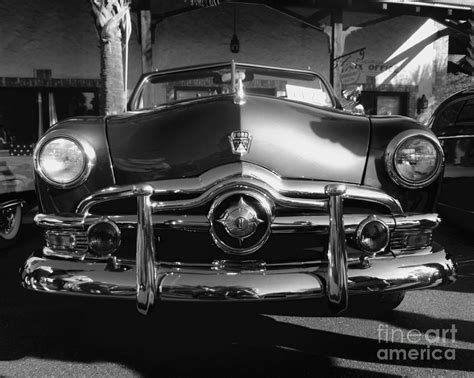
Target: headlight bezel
{"points": [[359, 233], [88, 156], [391, 153]]}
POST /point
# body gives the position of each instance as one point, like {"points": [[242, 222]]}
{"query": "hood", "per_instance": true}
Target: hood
{"points": [[292, 139]]}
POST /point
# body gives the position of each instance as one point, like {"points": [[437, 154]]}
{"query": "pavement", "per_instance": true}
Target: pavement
{"points": [[430, 334]]}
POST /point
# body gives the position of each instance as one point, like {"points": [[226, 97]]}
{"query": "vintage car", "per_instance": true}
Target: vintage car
{"points": [[17, 194], [238, 182], [453, 124]]}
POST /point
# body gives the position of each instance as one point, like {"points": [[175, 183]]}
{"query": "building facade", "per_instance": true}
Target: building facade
{"points": [[50, 57]]}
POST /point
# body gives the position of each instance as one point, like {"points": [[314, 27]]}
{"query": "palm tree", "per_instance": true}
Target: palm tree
{"points": [[112, 20], [204, 3]]}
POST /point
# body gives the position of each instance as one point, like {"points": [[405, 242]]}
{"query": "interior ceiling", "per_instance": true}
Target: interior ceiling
{"points": [[453, 9]]}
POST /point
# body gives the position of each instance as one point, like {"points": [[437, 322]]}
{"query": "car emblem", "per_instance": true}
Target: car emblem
{"points": [[240, 142], [240, 221]]}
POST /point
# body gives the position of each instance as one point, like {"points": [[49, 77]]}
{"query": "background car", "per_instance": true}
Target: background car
{"points": [[17, 194], [453, 124], [238, 182]]}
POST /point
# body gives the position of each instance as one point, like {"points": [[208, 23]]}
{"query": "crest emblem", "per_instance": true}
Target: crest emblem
{"points": [[240, 142]]}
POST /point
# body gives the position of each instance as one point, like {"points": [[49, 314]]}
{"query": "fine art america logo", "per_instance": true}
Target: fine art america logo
{"points": [[432, 344]]}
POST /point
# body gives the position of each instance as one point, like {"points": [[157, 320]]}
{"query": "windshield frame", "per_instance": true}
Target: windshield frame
{"points": [[276, 71]]}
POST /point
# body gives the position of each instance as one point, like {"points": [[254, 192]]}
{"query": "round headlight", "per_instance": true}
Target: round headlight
{"points": [[103, 237], [414, 160], [62, 162], [372, 235]]}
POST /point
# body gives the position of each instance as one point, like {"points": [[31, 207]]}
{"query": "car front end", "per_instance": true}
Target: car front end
{"points": [[238, 197]]}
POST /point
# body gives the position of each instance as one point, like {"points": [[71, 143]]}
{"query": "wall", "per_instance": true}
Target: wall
{"points": [[266, 37], [405, 54], [48, 34]]}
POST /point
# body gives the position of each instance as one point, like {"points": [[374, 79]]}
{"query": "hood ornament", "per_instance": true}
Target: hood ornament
{"points": [[240, 142], [238, 85], [239, 95]]}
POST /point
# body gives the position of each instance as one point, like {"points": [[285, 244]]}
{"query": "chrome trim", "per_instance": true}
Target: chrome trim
{"points": [[391, 152], [242, 184], [12, 203], [336, 285], [239, 97], [241, 287], [87, 151], [456, 136], [237, 85], [416, 221], [146, 279], [266, 205], [365, 222], [191, 283], [282, 224], [62, 221], [286, 192], [399, 241], [78, 239], [76, 254]]}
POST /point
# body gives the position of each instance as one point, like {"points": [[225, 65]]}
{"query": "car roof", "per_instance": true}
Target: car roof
{"points": [[466, 92], [462, 94]]}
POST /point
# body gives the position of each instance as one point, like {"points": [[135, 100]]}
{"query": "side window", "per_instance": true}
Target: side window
{"points": [[467, 112], [447, 117]]}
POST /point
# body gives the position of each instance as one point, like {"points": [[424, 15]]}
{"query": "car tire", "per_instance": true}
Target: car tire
{"points": [[10, 233], [388, 302], [375, 305]]}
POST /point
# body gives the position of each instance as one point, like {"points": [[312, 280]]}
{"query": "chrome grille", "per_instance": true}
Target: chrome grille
{"points": [[68, 241], [399, 240]]}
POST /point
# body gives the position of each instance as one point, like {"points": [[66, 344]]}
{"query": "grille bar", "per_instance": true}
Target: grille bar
{"points": [[285, 192]]}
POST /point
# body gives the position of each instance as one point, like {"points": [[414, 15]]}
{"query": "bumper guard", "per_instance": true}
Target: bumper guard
{"points": [[149, 280]]}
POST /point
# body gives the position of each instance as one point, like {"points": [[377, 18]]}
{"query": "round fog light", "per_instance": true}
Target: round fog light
{"points": [[103, 237], [372, 235]]}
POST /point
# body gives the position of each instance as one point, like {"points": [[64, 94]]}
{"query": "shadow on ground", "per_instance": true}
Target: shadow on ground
{"points": [[184, 339]]}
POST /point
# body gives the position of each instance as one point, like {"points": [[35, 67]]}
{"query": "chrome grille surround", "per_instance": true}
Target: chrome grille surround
{"points": [[69, 242], [323, 197], [285, 192]]}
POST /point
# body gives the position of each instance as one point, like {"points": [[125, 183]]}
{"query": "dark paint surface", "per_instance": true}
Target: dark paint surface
{"points": [[458, 183], [384, 129], [456, 198], [291, 139]]}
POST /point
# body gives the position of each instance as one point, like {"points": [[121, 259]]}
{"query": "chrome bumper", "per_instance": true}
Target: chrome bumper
{"points": [[149, 279], [230, 282]]}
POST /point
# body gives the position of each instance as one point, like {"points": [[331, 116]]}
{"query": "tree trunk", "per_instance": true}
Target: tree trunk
{"points": [[112, 93], [112, 20], [470, 48]]}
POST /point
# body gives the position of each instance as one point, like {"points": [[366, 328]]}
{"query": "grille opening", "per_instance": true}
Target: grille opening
{"points": [[124, 206], [190, 247], [128, 206], [361, 207]]}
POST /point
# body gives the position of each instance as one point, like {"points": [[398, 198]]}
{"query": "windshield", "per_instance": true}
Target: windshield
{"points": [[167, 88]]}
